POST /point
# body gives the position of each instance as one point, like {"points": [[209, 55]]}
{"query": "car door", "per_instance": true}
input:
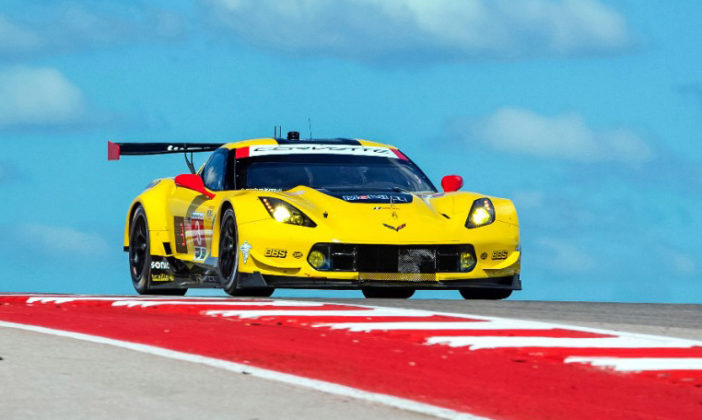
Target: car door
{"points": [[194, 214]]}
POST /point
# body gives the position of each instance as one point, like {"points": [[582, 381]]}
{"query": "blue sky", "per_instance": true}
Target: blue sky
{"points": [[587, 113]]}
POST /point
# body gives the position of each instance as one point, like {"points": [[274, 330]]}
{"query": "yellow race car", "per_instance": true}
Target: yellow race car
{"points": [[318, 214]]}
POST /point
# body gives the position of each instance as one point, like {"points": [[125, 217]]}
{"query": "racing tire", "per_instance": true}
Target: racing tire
{"points": [[140, 257], [485, 294], [228, 261], [388, 292]]}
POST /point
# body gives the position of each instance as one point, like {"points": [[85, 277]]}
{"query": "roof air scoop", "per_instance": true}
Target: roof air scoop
{"points": [[293, 135]]}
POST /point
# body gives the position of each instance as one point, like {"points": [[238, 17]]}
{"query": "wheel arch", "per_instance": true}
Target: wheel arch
{"points": [[154, 201], [128, 224], [226, 204]]}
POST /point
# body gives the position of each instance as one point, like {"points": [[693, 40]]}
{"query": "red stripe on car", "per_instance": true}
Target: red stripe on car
{"points": [[399, 154], [242, 152]]}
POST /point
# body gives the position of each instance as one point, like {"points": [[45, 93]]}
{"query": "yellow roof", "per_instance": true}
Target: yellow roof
{"points": [[272, 141]]}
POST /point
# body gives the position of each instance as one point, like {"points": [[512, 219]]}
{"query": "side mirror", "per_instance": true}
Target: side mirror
{"points": [[451, 183], [193, 182]]}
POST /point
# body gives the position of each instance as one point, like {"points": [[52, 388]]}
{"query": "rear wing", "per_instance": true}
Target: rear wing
{"points": [[115, 150]]}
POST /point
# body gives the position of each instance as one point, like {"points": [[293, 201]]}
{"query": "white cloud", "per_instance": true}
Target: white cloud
{"points": [[63, 240], [564, 136], [683, 264], [14, 38], [421, 29], [561, 255], [66, 26], [529, 199], [38, 97]]}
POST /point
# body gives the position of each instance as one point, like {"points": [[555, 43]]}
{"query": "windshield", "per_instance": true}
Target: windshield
{"points": [[332, 172]]}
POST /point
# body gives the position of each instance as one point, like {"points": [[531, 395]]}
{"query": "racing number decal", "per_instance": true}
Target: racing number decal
{"points": [[191, 228], [198, 234], [196, 231]]}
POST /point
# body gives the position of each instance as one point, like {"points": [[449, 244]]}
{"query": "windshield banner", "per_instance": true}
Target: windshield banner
{"points": [[321, 149]]}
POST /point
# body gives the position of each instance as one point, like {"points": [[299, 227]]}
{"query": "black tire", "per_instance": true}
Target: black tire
{"points": [[388, 292], [485, 294], [140, 257], [228, 261]]}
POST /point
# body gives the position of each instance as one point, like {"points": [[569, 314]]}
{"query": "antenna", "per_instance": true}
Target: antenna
{"points": [[309, 123], [277, 131], [190, 162]]}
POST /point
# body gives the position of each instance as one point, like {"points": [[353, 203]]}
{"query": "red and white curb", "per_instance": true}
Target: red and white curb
{"points": [[442, 364], [322, 386]]}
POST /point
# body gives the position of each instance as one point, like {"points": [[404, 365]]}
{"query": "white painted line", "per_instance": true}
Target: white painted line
{"points": [[548, 324], [60, 299], [322, 386], [631, 364], [150, 303], [243, 313], [476, 343], [439, 325], [197, 301]]}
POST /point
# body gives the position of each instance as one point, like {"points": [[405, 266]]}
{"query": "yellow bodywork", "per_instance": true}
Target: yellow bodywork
{"points": [[429, 219]]}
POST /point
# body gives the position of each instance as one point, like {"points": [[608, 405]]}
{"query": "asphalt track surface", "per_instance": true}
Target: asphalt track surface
{"points": [[48, 376]]}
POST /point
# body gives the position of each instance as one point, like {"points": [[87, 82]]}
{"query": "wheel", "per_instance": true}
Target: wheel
{"points": [[228, 261], [140, 258], [388, 292], [487, 294]]}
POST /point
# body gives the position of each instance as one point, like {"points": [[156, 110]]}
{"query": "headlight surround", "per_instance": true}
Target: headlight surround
{"points": [[286, 213], [482, 213]]}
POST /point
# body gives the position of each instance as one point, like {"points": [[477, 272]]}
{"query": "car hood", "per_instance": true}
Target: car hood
{"points": [[378, 217]]}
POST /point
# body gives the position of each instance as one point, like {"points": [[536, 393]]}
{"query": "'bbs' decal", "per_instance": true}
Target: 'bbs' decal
{"points": [[276, 253], [500, 255]]}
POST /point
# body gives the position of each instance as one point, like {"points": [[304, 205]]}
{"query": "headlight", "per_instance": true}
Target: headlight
{"points": [[481, 213], [286, 213], [317, 259], [466, 261]]}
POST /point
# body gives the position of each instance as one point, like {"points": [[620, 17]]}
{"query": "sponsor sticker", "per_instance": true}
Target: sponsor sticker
{"points": [[500, 254], [297, 254], [276, 253], [160, 265], [393, 198], [321, 149], [162, 277], [245, 248], [200, 253]]}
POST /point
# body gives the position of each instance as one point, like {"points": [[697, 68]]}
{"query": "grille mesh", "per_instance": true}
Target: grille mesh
{"points": [[397, 276], [402, 259]]}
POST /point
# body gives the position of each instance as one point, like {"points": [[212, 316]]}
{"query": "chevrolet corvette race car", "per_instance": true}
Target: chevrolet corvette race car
{"points": [[321, 214]]}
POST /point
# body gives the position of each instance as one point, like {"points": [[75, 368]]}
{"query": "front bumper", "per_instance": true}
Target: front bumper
{"points": [[257, 280], [280, 254]]}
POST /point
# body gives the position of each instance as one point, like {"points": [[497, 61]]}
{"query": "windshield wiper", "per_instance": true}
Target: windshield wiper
{"points": [[401, 190]]}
